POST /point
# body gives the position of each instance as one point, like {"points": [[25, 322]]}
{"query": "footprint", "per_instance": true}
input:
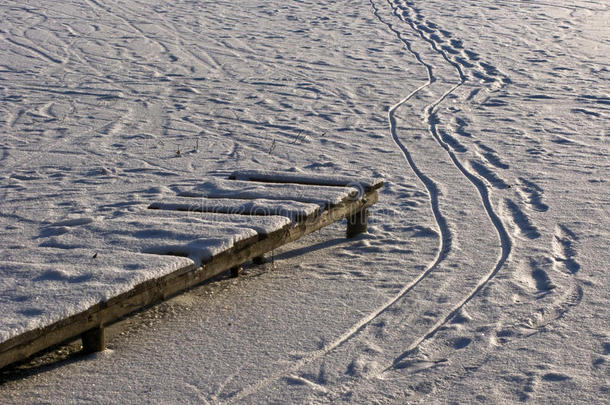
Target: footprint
{"points": [[555, 377], [451, 141], [489, 175], [450, 50], [491, 156], [503, 336], [555, 310], [532, 194], [564, 250], [461, 127], [586, 112], [521, 220], [484, 77], [473, 94], [424, 28], [585, 98], [490, 70], [462, 61], [297, 380], [435, 38], [457, 43], [460, 343], [472, 55], [494, 102], [461, 317], [541, 278], [356, 368], [446, 34], [534, 275], [527, 384]]}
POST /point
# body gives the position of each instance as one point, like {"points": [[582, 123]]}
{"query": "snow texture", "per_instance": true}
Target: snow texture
{"points": [[483, 278], [237, 189], [304, 178], [36, 291], [293, 210], [161, 232]]}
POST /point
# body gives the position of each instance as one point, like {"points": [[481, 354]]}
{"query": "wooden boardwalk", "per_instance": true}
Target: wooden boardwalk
{"points": [[178, 243]]}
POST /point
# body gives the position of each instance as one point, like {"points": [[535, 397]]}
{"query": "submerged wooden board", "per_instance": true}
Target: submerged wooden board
{"points": [[154, 290]]}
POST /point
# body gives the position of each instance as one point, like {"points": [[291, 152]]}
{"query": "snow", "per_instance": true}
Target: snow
{"points": [[302, 178], [293, 210], [58, 283], [236, 189], [483, 275], [162, 232]]}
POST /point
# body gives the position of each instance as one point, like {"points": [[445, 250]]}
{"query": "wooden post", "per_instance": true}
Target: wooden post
{"points": [[357, 223], [235, 271], [94, 340], [259, 260]]}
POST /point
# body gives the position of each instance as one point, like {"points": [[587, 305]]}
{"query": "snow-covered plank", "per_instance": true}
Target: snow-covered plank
{"points": [[263, 225], [41, 287], [326, 196], [159, 234], [270, 176], [293, 210]]}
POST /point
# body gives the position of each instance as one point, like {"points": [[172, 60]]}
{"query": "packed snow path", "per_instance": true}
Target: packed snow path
{"points": [[482, 277]]}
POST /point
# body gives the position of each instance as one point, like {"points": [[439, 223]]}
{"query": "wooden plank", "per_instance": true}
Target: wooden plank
{"points": [[153, 291], [161, 232], [84, 314], [271, 222], [294, 210], [266, 176], [325, 196], [44, 285], [210, 223]]}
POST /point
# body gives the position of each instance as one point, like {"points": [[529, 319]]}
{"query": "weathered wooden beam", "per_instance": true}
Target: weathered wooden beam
{"points": [[153, 291]]}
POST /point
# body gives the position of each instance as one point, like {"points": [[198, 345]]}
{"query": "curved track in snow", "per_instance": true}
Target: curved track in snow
{"points": [[432, 189], [430, 111]]}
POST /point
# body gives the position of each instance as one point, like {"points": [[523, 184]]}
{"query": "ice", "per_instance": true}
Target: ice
{"points": [[483, 275]]}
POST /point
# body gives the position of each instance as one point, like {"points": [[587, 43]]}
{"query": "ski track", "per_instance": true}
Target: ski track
{"points": [[505, 240], [432, 189]]}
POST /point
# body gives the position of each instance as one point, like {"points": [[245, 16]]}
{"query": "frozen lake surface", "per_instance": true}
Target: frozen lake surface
{"points": [[483, 275]]}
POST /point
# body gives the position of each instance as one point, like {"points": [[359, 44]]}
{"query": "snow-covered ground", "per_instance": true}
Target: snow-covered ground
{"points": [[483, 277]]}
